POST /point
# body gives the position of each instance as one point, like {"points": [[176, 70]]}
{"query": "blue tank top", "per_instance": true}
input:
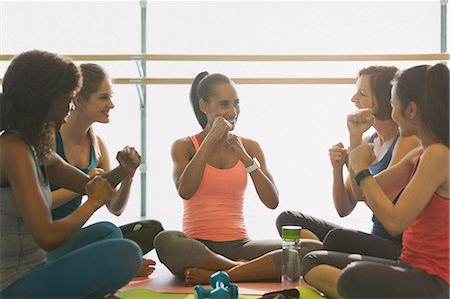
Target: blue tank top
{"points": [[377, 228], [70, 206]]}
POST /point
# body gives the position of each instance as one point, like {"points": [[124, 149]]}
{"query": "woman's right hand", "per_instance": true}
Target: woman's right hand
{"points": [[338, 155], [360, 121], [99, 191], [219, 129], [95, 171]]}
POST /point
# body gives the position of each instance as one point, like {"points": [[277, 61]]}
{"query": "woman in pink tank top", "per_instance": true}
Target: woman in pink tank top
{"points": [[420, 100], [210, 173]]}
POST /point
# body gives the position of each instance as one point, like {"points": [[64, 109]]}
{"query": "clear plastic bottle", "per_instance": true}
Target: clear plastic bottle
{"points": [[290, 272]]}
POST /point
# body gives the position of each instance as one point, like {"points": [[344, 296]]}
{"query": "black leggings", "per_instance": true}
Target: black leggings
{"points": [[371, 277], [143, 233], [336, 238]]}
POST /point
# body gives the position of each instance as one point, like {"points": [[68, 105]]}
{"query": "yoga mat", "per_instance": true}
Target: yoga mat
{"points": [[305, 293]]}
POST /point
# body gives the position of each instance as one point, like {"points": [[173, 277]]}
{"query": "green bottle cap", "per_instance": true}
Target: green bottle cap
{"points": [[291, 232]]}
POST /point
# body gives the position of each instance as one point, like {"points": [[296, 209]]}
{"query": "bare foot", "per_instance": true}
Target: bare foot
{"points": [[193, 276], [147, 268]]}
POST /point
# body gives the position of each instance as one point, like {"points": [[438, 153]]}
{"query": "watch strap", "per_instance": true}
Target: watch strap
{"points": [[362, 175]]}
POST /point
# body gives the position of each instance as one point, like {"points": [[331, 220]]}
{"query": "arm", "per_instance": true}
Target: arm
{"points": [[343, 199], [18, 167], [120, 197], [61, 196], [358, 122], [189, 165], [262, 179], [431, 175], [403, 146], [63, 174]]}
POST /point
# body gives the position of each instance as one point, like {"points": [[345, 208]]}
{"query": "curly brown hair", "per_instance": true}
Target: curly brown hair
{"points": [[32, 83]]}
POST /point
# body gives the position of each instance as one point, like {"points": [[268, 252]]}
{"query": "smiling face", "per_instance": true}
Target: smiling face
{"points": [[96, 106], [364, 98], [224, 102]]}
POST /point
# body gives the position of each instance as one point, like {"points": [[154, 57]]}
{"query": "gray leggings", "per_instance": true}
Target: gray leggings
{"points": [[372, 277], [178, 252]]}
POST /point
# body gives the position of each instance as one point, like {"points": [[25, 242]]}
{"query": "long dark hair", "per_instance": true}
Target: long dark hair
{"points": [[380, 78], [31, 85], [428, 87], [203, 88], [435, 113]]}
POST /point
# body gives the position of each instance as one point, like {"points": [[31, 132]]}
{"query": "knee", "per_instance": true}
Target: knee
{"points": [[167, 243], [310, 261], [349, 282], [285, 218], [334, 237], [109, 230], [154, 225], [124, 255]]}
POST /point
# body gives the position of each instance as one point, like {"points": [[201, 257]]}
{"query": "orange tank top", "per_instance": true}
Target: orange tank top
{"points": [[426, 240], [216, 211]]}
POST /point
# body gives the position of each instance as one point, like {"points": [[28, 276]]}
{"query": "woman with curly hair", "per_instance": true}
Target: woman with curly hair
{"points": [[38, 88]]}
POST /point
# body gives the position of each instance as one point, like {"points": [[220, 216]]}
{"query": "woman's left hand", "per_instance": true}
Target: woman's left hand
{"points": [[237, 148], [361, 157], [129, 159]]}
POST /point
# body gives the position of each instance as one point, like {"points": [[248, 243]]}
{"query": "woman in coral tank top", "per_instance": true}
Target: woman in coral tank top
{"points": [[210, 173]]}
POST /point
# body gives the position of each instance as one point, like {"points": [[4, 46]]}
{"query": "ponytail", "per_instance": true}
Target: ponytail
{"points": [[195, 99]]}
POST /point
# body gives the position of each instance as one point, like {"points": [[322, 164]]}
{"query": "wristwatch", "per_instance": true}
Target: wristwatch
{"points": [[252, 167], [362, 175]]}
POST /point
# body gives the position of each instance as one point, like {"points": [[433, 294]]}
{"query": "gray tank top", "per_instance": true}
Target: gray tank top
{"points": [[19, 253]]}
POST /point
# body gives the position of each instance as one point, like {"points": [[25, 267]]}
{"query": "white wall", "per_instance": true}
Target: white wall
{"points": [[295, 124]]}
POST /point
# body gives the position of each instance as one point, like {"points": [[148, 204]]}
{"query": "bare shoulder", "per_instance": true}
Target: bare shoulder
{"points": [[13, 146], [13, 154], [407, 143], [437, 155], [100, 141], [252, 146], [183, 146]]}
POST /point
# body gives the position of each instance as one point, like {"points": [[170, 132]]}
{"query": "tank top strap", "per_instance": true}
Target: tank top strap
{"points": [[372, 137], [196, 141]]}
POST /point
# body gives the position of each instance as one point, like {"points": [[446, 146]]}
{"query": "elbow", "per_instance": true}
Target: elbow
{"points": [[273, 203], [273, 206], [343, 212], [342, 215], [185, 194], [394, 231], [115, 212], [47, 244]]}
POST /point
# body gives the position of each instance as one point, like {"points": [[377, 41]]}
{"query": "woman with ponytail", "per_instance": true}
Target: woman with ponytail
{"points": [[77, 144], [420, 101], [210, 173]]}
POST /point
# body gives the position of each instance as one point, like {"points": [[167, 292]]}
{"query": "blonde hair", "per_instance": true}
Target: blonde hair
{"points": [[93, 76]]}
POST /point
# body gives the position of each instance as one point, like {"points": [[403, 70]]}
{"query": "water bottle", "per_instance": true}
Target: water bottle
{"points": [[290, 271]]}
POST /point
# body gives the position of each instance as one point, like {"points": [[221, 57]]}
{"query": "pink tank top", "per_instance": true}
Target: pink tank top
{"points": [[215, 212], [426, 240]]}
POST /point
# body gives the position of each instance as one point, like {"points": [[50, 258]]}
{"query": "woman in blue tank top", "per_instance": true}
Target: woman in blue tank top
{"points": [[77, 144], [372, 99]]}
